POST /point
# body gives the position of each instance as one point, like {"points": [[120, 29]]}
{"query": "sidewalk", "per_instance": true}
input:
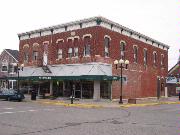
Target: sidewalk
{"points": [[90, 103]]}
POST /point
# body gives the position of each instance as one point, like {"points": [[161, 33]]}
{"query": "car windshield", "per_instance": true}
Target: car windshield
{"points": [[8, 91]]}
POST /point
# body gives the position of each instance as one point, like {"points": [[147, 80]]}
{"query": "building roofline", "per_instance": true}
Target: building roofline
{"points": [[11, 55], [173, 68], [98, 18]]}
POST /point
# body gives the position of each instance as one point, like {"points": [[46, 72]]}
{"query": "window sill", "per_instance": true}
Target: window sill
{"points": [[4, 71], [12, 73], [76, 57], [59, 59], [86, 56]]}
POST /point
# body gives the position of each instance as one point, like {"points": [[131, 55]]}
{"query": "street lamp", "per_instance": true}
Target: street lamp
{"points": [[18, 68], [121, 64]]}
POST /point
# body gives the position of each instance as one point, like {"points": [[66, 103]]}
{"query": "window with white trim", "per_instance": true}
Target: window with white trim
{"points": [[106, 46], [87, 47], [155, 58], [135, 48], [59, 54], [75, 51], [122, 50], [70, 53], [35, 55], [12, 84], [26, 57], [11, 68], [162, 59], [145, 56], [4, 68]]}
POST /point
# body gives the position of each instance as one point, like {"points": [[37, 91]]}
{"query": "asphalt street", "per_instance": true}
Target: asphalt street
{"points": [[31, 118]]}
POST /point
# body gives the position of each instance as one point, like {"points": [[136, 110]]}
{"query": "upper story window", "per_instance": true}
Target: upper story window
{"points": [[4, 68], [122, 49], [11, 68], [155, 58], [35, 55], [70, 53], [87, 45], [135, 48], [145, 56], [76, 52], [59, 53], [106, 46], [162, 59], [26, 57]]}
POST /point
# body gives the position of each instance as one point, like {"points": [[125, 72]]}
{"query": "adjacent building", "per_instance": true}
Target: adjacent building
{"points": [[79, 55], [7, 58], [173, 79]]}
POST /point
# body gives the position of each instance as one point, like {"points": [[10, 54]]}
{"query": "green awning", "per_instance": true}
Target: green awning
{"points": [[83, 77]]}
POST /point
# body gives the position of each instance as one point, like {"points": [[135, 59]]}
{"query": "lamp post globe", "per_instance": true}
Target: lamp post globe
{"points": [[121, 61], [126, 62], [116, 62]]}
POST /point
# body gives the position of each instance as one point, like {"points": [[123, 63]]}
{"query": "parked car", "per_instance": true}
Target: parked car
{"points": [[11, 94]]}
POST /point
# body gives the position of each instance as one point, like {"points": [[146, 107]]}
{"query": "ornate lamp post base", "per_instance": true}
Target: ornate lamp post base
{"points": [[120, 101]]}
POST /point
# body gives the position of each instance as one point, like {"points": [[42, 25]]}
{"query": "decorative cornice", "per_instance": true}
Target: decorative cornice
{"points": [[94, 21]]}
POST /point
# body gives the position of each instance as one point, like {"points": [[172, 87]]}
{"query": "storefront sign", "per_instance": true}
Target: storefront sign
{"points": [[45, 78], [171, 80]]}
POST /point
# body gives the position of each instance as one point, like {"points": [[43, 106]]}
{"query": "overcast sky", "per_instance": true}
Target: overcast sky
{"points": [[158, 19]]}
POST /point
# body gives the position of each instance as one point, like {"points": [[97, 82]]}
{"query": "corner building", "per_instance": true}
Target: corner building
{"points": [[79, 55]]}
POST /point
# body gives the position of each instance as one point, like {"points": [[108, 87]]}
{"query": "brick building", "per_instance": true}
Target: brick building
{"points": [[79, 55], [7, 58]]}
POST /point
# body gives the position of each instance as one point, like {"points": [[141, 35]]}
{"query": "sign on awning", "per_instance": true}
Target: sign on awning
{"points": [[172, 80]]}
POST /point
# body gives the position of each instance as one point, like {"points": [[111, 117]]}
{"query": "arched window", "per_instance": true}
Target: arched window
{"points": [[26, 57], [155, 58], [75, 51], [26, 53], [122, 49], [59, 53], [135, 54], [35, 55], [145, 56], [70, 53], [87, 46], [106, 46], [162, 60]]}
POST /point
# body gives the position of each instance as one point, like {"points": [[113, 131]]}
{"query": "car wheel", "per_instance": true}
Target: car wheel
{"points": [[19, 100]]}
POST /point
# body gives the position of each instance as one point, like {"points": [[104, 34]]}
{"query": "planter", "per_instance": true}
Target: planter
{"points": [[132, 100]]}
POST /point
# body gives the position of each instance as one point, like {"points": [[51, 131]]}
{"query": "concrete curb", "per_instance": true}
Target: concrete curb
{"points": [[149, 104], [61, 103], [85, 105]]}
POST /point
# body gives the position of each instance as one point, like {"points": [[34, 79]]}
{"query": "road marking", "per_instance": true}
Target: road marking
{"points": [[48, 109], [32, 110], [8, 108], [21, 111], [24, 111], [6, 112]]}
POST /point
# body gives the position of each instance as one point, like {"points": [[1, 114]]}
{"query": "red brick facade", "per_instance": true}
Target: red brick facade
{"points": [[141, 79]]}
